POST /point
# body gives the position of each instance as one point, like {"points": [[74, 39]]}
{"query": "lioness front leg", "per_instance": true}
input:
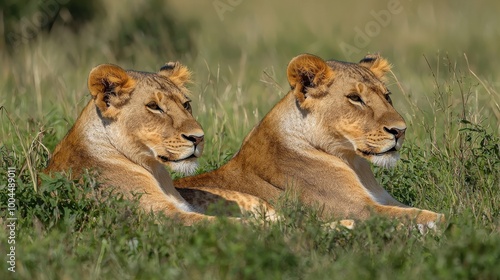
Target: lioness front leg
{"points": [[424, 217], [201, 198], [186, 217]]}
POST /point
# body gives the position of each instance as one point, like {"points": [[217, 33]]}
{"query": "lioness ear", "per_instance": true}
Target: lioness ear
{"points": [[308, 75], [377, 64], [176, 72], [110, 87]]}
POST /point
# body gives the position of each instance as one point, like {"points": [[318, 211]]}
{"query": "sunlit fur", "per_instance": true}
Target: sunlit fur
{"points": [[319, 139], [136, 124]]}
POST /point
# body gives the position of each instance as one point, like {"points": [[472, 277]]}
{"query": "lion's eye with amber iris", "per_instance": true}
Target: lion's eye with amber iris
{"points": [[388, 98], [355, 98], [154, 106], [187, 105]]}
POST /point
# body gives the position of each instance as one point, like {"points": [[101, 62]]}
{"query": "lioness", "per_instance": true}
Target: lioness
{"points": [[135, 123], [319, 140]]}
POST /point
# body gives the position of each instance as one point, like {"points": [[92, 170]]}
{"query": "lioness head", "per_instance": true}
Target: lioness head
{"points": [[349, 107], [147, 116]]}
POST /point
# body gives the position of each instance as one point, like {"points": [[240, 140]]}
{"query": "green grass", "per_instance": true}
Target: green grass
{"points": [[445, 84]]}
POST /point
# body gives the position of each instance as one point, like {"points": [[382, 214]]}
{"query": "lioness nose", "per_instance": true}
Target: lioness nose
{"points": [[397, 132], [193, 138]]}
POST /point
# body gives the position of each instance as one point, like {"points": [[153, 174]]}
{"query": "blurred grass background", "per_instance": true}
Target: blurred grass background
{"points": [[239, 55], [445, 83]]}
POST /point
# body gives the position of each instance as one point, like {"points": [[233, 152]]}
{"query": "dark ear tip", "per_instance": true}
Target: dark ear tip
{"points": [[169, 66], [368, 59]]}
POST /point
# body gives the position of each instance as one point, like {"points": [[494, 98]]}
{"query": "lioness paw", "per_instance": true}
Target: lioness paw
{"points": [[348, 224]]}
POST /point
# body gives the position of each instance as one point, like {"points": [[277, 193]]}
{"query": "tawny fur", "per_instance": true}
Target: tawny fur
{"points": [[135, 124], [319, 140]]}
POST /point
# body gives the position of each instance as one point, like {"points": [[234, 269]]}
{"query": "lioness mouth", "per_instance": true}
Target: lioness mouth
{"points": [[165, 159], [393, 149]]}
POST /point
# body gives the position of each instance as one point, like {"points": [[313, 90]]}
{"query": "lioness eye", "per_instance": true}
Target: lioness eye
{"points": [[187, 105], [388, 98], [355, 98], [153, 106]]}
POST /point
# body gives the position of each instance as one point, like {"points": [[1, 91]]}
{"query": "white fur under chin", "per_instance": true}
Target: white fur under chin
{"points": [[386, 161], [187, 167], [186, 207]]}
